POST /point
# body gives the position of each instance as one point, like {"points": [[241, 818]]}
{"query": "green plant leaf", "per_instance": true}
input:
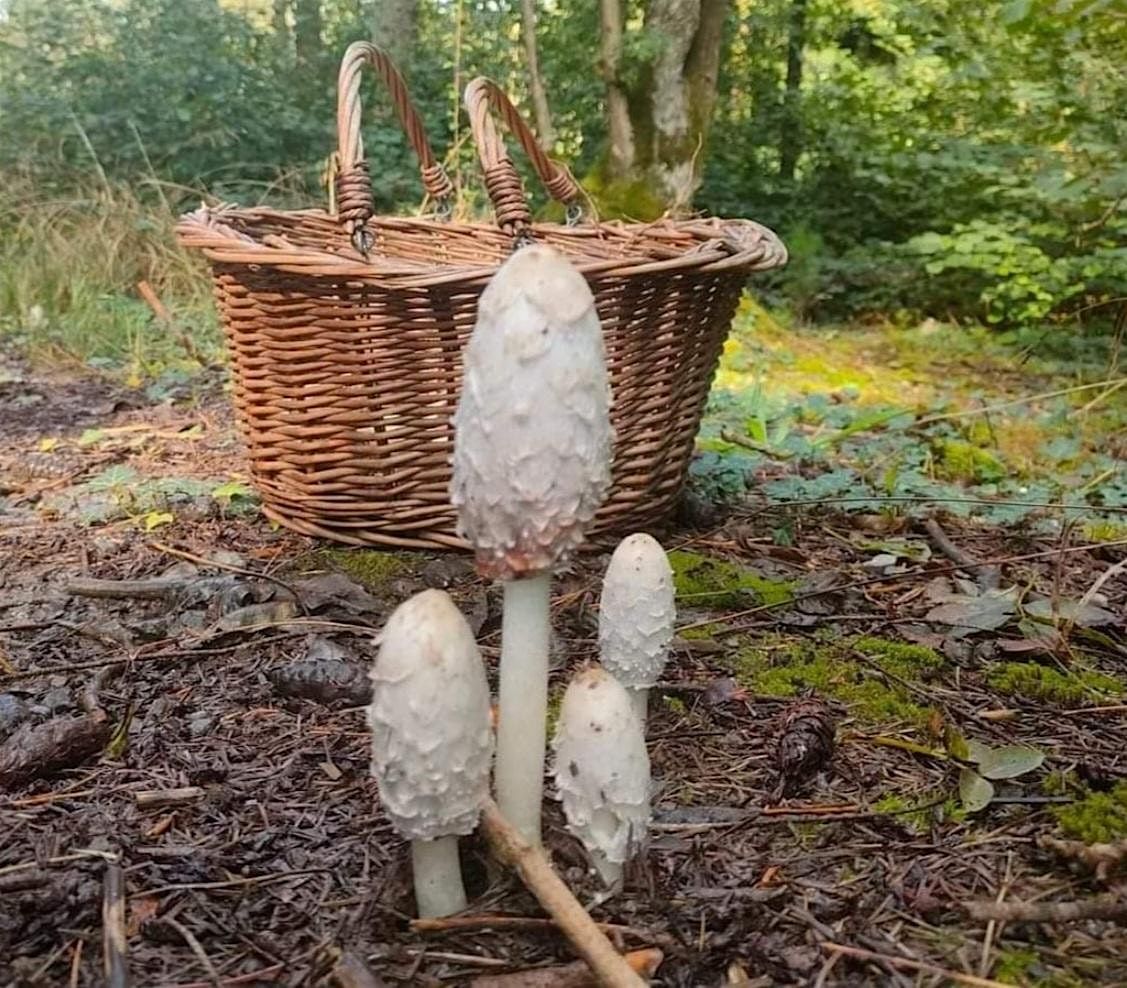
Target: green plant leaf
{"points": [[975, 792], [1009, 762], [155, 519], [976, 751], [230, 490]]}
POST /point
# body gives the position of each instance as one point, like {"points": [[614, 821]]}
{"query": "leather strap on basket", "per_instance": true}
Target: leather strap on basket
{"points": [[502, 182], [353, 183]]}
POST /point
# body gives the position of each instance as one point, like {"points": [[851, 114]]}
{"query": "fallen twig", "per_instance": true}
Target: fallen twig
{"points": [[152, 588], [989, 577], [149, 798], [536, 872], [115, 947], [906, 962], [577, 975], [196, 948], [191, 557], [1112, 906]]}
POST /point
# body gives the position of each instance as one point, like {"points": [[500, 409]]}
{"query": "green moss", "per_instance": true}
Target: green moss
{"points": [[706, 632], [900, 658], [1012, 966], [704, 581], [916, 821], [963, 461], [1099, 818], [675, 705], [368, 567], [827, 668], [1040, 682], [1104, 531], [632, 199], [1059, 783]]}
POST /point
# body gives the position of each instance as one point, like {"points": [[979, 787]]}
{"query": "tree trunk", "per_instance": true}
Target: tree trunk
{"points": [[395, 28], [307, 32], [281, 27], [620, 129], [790, 141], [535, 80], [658, 130]]}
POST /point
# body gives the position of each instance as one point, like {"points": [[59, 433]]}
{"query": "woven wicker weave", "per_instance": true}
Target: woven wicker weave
{"points": [[346, 331]]}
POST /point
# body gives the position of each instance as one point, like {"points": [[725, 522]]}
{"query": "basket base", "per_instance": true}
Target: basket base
{"points": [[604, 534]]}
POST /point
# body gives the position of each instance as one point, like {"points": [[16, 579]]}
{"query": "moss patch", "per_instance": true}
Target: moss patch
{"points": [[1013, 966], [706, 632], [916, 821], [1098, 818], [704, 581], [1105, 531], [828, 669], [900, 658], [1040, 682], [368, 567], [963, 461]]}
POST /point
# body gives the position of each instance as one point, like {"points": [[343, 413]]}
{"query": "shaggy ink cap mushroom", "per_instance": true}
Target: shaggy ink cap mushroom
{"points": [[532, 449], [432, 742], [602, 771], [637, 612]]}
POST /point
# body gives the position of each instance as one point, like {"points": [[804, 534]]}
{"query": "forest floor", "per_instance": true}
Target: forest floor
{"points": [[966, 634]]}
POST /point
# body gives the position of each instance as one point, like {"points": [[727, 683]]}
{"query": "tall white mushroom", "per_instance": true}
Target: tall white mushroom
{"points": [[532, 458], [432, 742], [602, 771], [636, 616]]}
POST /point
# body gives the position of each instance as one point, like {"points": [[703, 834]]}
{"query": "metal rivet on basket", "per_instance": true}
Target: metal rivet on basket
{"points": [[362, 240]]}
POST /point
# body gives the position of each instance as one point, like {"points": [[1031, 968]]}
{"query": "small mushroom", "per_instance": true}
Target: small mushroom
{"points": [[532, 459], [636, 616], [602, 771], [431, 740]]}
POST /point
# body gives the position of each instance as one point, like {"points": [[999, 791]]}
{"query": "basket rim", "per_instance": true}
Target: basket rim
{"points": [[707, 245]]}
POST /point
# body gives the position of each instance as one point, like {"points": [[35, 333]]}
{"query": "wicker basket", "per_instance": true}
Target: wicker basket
{"points": [[346, 330]]}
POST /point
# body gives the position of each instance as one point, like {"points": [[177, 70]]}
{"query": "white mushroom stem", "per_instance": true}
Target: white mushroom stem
{"points": [[523, 703], [640, 701], [438, 877]]}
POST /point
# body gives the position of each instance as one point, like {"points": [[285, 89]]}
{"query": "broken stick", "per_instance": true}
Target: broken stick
{"points": [[148, 798], [1102, 907], [114, 943], [989, 577], [536, 872]]}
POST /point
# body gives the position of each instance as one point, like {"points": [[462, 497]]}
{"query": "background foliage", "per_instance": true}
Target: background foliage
{"points": [[943, 162]]}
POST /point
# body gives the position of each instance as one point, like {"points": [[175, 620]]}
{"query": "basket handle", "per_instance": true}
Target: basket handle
{"points": [[353, 183], [510, 207]]}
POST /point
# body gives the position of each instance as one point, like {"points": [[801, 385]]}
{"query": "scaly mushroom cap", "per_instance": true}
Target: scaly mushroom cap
{"points": [[636, 612], [602, 769], [532, 447], [432, 744]]}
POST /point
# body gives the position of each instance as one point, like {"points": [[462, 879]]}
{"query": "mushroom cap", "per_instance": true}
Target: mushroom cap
{"points": [[432, 743], [602, 769], [532, 446], [637, 612]]}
